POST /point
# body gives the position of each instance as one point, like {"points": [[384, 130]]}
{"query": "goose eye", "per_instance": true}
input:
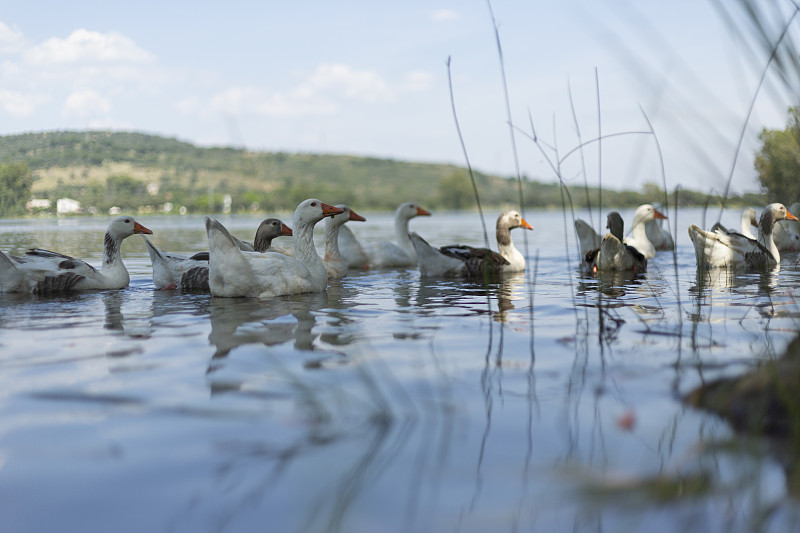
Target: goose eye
{"points": [[127, 221], [313, 204]]}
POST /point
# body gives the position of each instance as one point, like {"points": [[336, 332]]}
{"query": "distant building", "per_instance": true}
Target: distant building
{"points": [[67, 206], [38, 203]]}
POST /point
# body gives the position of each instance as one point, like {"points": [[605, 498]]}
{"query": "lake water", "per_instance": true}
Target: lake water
{"points": [[389, 403]]}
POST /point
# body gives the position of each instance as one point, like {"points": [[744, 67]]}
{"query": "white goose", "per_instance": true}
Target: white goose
{"points": [[469, 262], [393, 254], [638, 237], [236, 273], [335, 264], [351, 249], [787, 232], [747, 219], [733, 250], [660, 237], [43, 271], [172, 271], [613, 254]]}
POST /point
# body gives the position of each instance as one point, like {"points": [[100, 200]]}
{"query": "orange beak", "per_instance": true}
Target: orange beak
{"points": [[790, 216], [138, 228], [422, 212], [524, 224], [329, 210], [754, 222], [286, 231], [356, 216], [658, 214]]}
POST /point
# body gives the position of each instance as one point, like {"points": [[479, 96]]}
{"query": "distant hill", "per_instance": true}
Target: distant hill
{"points": [[131, 170]]}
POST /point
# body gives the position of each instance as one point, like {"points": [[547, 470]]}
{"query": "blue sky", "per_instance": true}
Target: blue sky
{"points": [[370, 78]]}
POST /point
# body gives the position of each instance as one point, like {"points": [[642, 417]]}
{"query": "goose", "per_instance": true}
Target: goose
{"points": [[787, 233], [638, 237], [613, 254], [747, 219], [660, 237], [469, 262], [588, 239], [335, 264], [733, 250], [172, 271], [235, 273], [43, 271], [401, 252], [351, 249]]}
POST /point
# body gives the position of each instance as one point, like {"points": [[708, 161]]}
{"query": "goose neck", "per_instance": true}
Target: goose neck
{"points": [[332, 241], [765, 226], [401, 234], [111, 251]]}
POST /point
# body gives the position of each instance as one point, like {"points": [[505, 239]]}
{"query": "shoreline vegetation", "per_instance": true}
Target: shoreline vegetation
{"points": [[105, 172]]}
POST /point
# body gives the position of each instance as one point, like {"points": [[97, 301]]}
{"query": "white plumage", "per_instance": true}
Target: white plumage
{"points": [[171, 271], [638, 237], [335, 264], [388, 254], [236, 273], [716, 249], [42, 271], [787, 232], [466, 261]]}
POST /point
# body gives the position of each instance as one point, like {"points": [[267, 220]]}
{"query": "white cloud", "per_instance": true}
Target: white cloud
{"points": [[323, 93], [20, 104], [85, 103], [418, 81], [85, 46], [341, 79], [11, 39], [444, 15]]}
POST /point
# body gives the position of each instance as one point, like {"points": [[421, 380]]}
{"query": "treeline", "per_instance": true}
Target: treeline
{"points": [[778, 161], [131, 170]]}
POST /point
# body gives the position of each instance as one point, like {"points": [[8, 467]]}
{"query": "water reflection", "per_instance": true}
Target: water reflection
{"points": [[511, 296], [708, 280], [239, 321]]}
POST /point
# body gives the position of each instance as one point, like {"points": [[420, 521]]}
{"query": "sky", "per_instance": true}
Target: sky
{"points": [[666, 84]]}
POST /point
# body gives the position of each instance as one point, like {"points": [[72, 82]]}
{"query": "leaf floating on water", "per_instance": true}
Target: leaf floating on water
{"points": [[627, 420], [655, 489]]}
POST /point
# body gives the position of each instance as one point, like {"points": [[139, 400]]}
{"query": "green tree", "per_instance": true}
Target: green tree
{"points": [[125, 191], [15, 188], [778, 161], [455, 191]]}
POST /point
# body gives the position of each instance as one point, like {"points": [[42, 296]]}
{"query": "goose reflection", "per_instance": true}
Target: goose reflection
{"points": [[510, 293], [612, 283], [113, 305], [239, 321], [710, 283]]}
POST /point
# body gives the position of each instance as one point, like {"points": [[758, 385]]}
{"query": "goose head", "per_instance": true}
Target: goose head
{"points": [[346, 215], [311, 211], [645, 213], [409, 210], [122, 227], [512, 219], [772, 213], [271, 228], [615, 224]]}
